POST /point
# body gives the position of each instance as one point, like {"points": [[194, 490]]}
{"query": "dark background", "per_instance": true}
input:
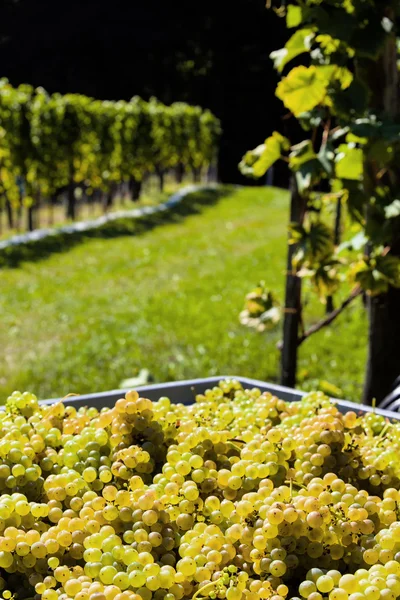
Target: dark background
{"points": [[214, 53]]}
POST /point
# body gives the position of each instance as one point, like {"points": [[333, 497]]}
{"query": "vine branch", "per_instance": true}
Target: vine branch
{"points": [[328, 319]]}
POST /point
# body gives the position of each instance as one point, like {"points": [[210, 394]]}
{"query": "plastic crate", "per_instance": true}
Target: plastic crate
{"points": [[184, 392]]}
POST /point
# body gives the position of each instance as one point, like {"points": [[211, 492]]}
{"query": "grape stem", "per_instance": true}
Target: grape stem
{"points": [[230, 442], [299, 485], [210, 586], [383, 432]]}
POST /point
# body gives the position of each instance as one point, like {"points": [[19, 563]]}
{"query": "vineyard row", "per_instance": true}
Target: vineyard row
{"points": [[52, 144]]}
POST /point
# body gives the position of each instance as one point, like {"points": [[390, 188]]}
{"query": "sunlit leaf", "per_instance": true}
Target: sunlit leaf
{"points": [[300, 42], [262, 310], [297, 233], [349, 162], [256, 162], [294, 16], [303, 89], [308, 166], [355, 243], [324, 277], [376, 275]]}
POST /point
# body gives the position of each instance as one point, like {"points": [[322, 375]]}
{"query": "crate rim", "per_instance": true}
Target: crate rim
{"points": [[291, 394]]}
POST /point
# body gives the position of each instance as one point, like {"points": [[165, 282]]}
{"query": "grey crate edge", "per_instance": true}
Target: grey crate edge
{"points": [[184, 392]]}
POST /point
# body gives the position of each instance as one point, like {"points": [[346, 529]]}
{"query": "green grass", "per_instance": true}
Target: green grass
{"points": [[167, 300]]}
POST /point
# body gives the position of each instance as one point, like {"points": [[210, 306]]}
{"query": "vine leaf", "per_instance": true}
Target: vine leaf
{"points": [[355, 199], [297, 233], [315, 243], [257, 162], [300, 42], [357, 243], [262, 310], [375, 275], [303, 89], [373, 128], [324, 276], [294, 16], [349, 162], [320, 240], [309, 167]]}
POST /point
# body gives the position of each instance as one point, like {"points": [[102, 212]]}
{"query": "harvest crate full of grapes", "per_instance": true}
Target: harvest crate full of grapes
{"points": [[215, 489]]}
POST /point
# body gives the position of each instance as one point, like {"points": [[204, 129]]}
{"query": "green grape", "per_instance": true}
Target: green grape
{"points": [[235, 492]]}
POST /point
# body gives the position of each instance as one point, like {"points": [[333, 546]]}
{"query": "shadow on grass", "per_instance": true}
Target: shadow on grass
{"points": [[191, 204]]}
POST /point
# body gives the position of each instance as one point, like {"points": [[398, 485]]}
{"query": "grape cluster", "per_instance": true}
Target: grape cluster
{"points": [[240, 496]]}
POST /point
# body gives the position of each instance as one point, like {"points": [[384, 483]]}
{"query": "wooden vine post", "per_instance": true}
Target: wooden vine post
{"points": [[383, 364], [292, 311]]}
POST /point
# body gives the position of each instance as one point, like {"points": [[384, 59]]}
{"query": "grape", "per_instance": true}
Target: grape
{"points": [[339, 594], [306, 588], [239, 496], [325, 584]]}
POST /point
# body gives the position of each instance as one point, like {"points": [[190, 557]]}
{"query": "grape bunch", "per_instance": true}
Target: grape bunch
{"points": [[240, 496]]}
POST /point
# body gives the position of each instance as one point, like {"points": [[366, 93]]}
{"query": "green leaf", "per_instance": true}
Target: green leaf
{"points": [[294, 16], [336, 22], [324, 276], [320, 240], [354, 139], [303, 179], [304, 162], [369, 280], [393, 210], [300, 42], [316, 242], [369, 38], [356, 199], [349, 163], [274, 146], [249, 159], [328, 43], [375, 275], [351, 101], [381, 152], [308, 166], [372, 127], [357, 242], [326, 157], [343, 76], [262, 310], [301, 153], [389, 266], [313, 118], [256, 162], [303, 89], [297, 233]]}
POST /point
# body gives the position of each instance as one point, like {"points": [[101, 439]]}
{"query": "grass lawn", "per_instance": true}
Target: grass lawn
{"points": [[167, 300]]}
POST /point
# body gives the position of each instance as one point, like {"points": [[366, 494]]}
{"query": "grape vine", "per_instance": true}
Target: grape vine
{"points": [[51, 142], [347, 99]]}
